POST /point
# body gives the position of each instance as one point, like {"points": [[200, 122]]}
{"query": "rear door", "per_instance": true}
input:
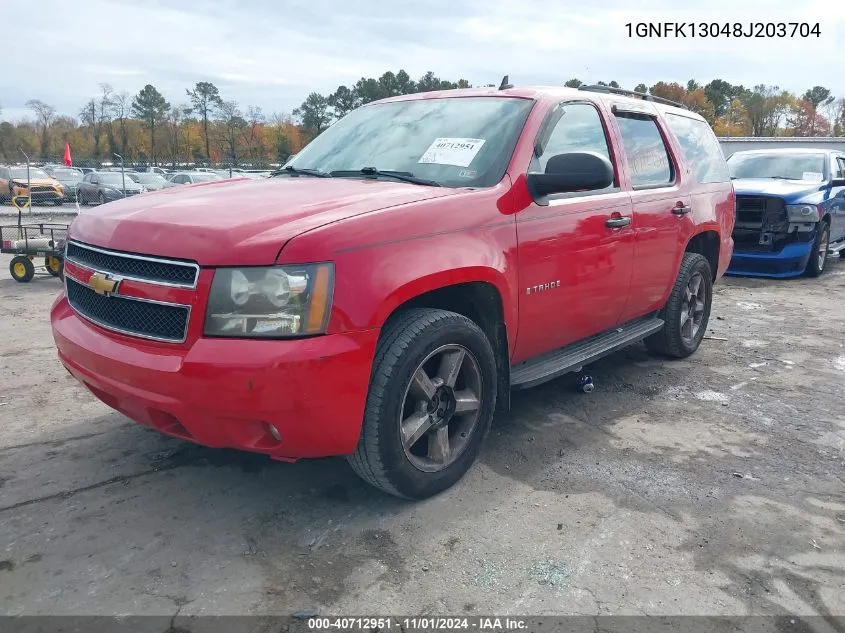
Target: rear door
{"points": [[575, 249], [661, 207]]}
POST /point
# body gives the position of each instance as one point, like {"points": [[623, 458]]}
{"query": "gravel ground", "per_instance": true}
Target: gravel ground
{"points": [[710, 486]]}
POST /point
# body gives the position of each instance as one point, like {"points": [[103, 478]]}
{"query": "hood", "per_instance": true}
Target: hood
{"points": [[239, 221], [36, 181], [792, 191]]}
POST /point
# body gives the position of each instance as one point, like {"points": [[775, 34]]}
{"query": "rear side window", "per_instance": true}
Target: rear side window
{"points": [[647, 154], [702, 151]]}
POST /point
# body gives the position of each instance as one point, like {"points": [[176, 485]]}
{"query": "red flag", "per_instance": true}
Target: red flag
{"points": [[68, 160]]}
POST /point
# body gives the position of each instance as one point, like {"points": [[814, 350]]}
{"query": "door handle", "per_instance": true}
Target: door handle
{"points": [[681, 209], [617, 223]]}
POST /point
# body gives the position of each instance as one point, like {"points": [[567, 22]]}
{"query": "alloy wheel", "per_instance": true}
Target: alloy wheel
{"points": [[440, 409], [692, 308]]}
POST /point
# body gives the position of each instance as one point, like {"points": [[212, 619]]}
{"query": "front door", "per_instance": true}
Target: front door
{"points": [[575, 250], [837, 200]]}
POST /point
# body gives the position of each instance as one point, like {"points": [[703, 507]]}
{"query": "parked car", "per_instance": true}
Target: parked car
{"points": [[790, 211], [38, 184], [336, 308], [70, 179], [106, 186], [191, 177], [153, 181]]}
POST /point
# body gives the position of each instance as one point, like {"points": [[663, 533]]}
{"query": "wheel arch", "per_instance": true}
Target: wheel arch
{"points": [[479, 298], [708, 244]]}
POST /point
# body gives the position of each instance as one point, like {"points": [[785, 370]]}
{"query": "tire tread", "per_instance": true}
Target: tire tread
{"points": [[667, 341], [398, 335]]}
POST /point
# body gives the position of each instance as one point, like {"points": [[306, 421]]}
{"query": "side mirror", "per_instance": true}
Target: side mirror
{"points": [[570, 172], [837, 182]]}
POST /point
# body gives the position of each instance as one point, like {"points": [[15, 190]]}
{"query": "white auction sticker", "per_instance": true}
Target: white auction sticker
{"points": [[452, 151], [813, 176]]}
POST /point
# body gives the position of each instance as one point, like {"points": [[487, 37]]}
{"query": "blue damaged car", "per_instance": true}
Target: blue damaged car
{"points": [[790, 211]]}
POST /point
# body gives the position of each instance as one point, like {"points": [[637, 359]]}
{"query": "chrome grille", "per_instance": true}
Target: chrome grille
{"points": [[136, 317], [165, 272]]}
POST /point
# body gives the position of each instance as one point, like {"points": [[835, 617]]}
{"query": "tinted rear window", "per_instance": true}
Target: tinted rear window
{"points": [[647, 154], [701, 149]]}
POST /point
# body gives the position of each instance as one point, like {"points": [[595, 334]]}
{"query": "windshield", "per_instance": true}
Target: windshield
{"points": [[149, 179], [67, 175], [455, 141], [788, 166], [34, 172], [114, 178]]}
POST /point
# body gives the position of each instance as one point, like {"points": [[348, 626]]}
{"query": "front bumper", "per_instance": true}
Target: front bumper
{"points": [[223, 392], [790, 261], [41, 196]]}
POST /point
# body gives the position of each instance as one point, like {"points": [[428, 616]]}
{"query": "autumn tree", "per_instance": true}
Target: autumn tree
{"points": [[205, 98], [697, 102], [150, 107], [806, 120], [44, 116], [766, 107], [671, 91]]}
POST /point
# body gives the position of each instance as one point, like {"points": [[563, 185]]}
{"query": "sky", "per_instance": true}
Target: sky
{"points": [[272, 53]]}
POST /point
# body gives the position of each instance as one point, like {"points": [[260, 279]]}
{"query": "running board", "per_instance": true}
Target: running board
{"points": [[573, 357]]}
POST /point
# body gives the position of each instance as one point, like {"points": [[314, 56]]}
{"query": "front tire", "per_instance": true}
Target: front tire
{"points": [[687, 311], [818, 256], [430, 404], [21, 269]]}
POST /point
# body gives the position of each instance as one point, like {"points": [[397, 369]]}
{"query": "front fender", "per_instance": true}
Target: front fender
{"points": [[388, 257]]}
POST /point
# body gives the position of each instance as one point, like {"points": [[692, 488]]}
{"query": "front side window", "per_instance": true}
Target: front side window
{"points": [[701, 149], [838, 167], [648, 156], [788, 165], [578, 129], [454, 141]]}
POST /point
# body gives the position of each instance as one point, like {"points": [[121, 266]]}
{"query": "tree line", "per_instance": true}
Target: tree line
{"points": [[203, 128]]}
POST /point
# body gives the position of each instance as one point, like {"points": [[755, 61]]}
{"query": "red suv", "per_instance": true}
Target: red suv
{"points": [[381, 295]]}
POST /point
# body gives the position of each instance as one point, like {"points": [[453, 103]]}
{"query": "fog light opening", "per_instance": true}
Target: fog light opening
{"points": [[274, 432]]}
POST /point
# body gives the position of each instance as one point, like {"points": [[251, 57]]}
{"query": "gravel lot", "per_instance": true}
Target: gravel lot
{"points": [[710, 486]]}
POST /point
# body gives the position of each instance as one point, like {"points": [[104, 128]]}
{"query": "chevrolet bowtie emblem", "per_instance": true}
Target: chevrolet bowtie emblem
{"points": [[102, 285]]}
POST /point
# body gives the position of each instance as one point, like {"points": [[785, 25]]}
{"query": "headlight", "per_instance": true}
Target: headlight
{"points": [[802, 212], [270, 302]]}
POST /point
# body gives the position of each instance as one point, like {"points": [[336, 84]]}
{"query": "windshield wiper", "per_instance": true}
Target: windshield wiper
{"points": [[404, 176], [296, 171]]}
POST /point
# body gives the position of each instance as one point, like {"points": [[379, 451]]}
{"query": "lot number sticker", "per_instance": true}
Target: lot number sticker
{"points": [[452, 151], [813, 176]]}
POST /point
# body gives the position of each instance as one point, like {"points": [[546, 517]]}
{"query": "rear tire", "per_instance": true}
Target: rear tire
{"points": [[423, 352], [687, 311], [818, 256]]}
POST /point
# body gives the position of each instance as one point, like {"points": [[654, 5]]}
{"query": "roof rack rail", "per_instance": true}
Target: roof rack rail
{"points": [[632, 93]]}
